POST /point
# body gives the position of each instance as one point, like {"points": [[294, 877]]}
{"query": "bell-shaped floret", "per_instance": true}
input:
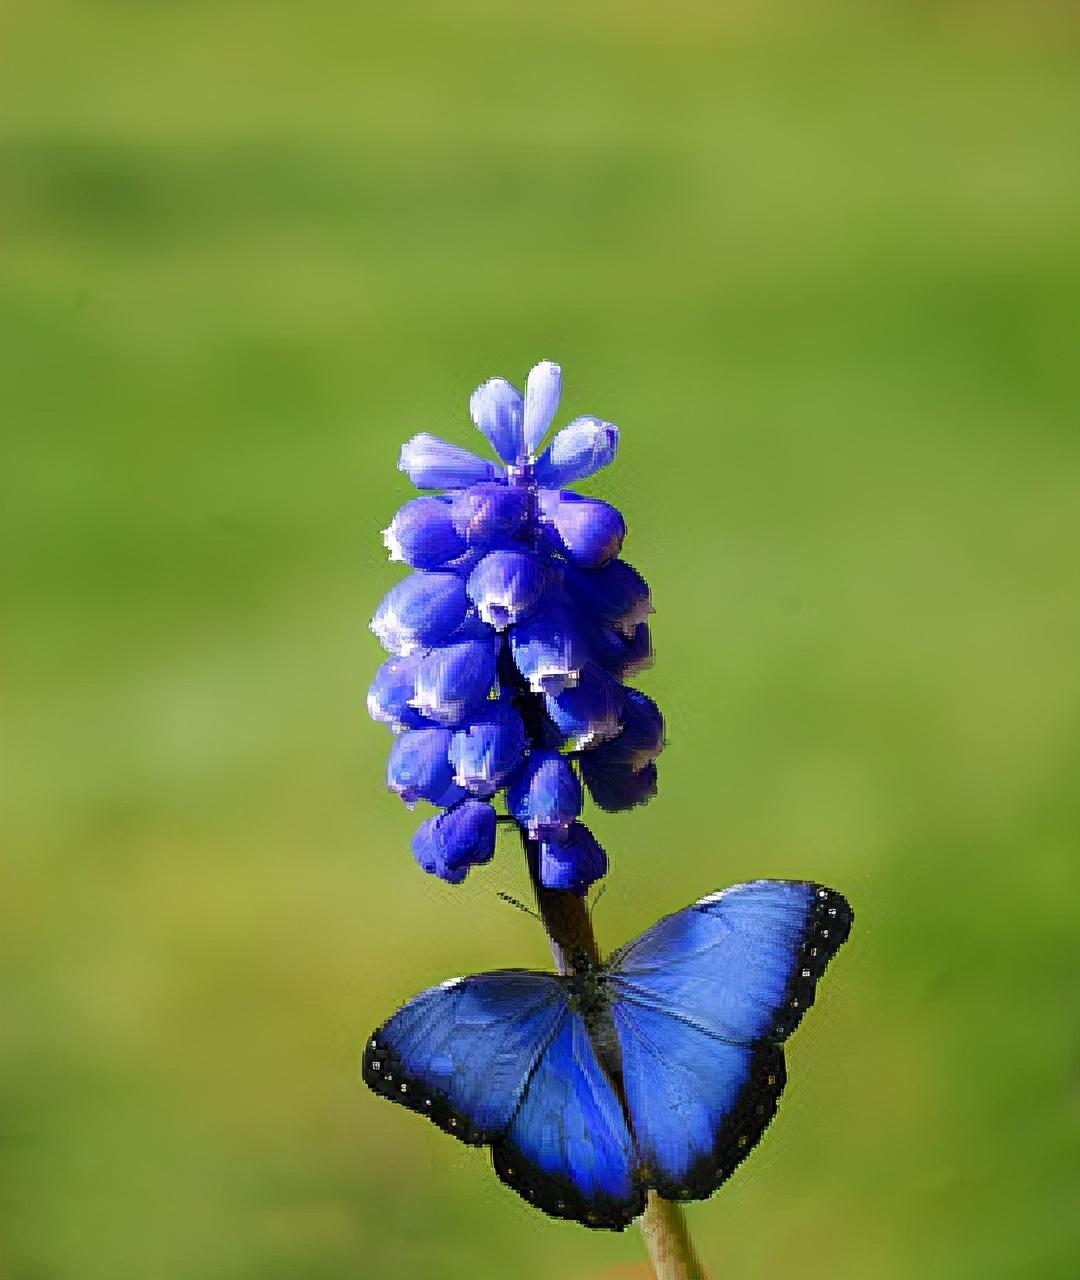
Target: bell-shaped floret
{"points": [[642, 736], [422, 534], [498, 409], [542, 390], [589, 711], [622, 656], [452, 842], [420, 611], [489, 749], [454, 680], [549, 649], [546, 796], [577, 451], [490, 515], [420, 769], [616, 594], [613, 785], [506, 586], [431, 463], [637, 655], [392, 691], [587, 531], [572, 862]]}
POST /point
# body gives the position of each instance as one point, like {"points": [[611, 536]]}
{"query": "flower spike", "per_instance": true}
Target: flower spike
{"points": [[512, 641]]}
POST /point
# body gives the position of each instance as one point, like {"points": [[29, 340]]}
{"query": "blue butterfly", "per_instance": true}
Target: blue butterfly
{"points": [[661, 1068]]}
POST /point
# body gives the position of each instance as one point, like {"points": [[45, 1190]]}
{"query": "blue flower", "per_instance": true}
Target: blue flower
{"points": [[550, 648], [579, 450], [431, 463], [616, 595], [462, 837], [587, 531], [454, 680], [572, 861], [613, 785], [546, 797], [420, 769], [590, 710], [498, 409], [489, 749], [392, 692], [507, 586], [512, 641], [424, 535], [421, 611]]}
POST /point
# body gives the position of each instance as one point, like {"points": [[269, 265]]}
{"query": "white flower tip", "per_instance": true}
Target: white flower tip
{"points": [[391, 543], [403, 456], [552, 680], [482, 392], [542, 390], [497, 614], [393, 637]]}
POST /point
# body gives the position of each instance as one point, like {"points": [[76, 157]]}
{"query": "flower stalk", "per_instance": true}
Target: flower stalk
{"points": [[667, 1241]]}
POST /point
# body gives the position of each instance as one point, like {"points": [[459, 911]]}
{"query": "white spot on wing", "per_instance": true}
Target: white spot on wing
{"points": [[713, 897], [730, 892]]}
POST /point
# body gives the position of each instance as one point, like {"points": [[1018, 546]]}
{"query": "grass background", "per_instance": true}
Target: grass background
{"points": [[821, 262]]}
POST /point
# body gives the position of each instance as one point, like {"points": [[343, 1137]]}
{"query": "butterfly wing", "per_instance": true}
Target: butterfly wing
{"points": [[502, 1059], [702, 1003], [462, 1053], [568, 1149], [698, 1105]]}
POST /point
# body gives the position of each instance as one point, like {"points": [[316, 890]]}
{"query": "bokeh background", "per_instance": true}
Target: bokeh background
{"points": [[821, 261]]}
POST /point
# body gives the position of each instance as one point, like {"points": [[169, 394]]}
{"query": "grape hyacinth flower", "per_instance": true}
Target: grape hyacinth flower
{"points": [[511, 642]]}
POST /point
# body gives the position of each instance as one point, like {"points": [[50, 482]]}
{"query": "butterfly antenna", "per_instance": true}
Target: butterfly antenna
{"points": [[596, 900], [520, 906]]}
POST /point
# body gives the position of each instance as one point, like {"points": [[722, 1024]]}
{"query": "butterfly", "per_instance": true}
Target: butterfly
{"points": [[660, 1068]]}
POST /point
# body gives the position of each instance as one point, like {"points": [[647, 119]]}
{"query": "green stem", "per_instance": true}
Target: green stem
{"points": [[667, 1241]]}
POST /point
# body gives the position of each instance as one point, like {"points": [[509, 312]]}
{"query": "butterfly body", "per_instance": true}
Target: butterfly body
{"points": [[660, 1068]]}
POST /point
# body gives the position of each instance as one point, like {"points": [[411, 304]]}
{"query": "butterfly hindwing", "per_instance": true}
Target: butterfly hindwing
{"points": [[699, 1104], [462, 1053], [568, 1149]]}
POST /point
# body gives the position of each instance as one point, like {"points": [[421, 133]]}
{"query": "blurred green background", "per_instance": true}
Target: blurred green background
{"points": [[821, 261]]}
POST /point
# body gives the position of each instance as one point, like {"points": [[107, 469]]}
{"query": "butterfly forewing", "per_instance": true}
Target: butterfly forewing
{"points": [[741, 964], [462, 1052]]}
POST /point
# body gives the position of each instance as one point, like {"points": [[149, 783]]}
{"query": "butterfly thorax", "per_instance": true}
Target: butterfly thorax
{"points": [[589, 994], [587, 989]]}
